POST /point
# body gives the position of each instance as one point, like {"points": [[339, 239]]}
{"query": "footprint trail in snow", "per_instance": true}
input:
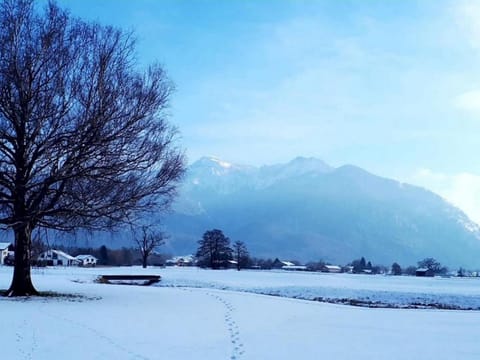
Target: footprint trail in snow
{"points": [[238, 348]]}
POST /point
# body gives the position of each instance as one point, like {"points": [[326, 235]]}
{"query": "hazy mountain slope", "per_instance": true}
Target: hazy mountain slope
{"points": [[308, 210]]}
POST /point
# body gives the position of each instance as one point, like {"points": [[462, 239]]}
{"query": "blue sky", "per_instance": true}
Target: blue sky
{"points": [[391, 86]]}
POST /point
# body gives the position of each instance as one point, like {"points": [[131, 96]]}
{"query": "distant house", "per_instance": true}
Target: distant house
{"points": [[424, 272], [187, 260], [86, 260], [4, 250], [331, 268], [278, 264], [295, 267], [231, 264], [57, 258]]}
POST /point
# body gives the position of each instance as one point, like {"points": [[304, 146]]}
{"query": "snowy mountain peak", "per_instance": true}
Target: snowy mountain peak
{"points": [[221, 163], [306, 207], [213, 162], [217, 173]]}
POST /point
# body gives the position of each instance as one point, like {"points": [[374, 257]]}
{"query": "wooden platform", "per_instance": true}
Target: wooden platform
{"points": [[129, 279]]}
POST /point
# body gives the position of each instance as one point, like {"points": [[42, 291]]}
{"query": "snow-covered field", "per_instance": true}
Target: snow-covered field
{"points": [[202, 314]]}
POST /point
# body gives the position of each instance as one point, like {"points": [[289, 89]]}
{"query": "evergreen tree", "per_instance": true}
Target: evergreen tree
{"points": [[359, 265]]}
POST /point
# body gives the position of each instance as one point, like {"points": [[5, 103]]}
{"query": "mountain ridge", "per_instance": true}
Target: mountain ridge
{"points": [[306, 209]]}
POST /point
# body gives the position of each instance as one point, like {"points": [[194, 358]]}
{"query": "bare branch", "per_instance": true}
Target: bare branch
{"points": [[84, 135]]}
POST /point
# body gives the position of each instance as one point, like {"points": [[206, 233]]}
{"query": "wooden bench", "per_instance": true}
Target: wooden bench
{"points": [[129, 279]]}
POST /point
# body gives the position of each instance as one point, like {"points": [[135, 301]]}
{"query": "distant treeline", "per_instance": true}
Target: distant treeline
{"points": [[115, 257], [129, 256]]}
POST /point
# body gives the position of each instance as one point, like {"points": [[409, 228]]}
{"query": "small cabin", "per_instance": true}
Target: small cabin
{"points": [[331, 268], [86, 260], [187, 260], [424, 272], [279, 264]]}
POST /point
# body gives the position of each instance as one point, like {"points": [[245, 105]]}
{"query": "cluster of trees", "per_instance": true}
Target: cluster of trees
{"points": [[428, 263], [433, 265], [215, 251], [146, 243], [362, 266], [125, 256]]}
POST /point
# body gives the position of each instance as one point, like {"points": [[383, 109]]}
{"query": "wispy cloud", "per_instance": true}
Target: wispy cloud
{"points": [[469, 101], [467, 16], [462, 189]]}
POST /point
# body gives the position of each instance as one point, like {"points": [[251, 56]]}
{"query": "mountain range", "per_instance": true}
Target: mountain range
{"points": [[307, 210]]}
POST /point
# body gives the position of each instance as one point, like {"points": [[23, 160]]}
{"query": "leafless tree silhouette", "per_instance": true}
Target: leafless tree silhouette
{"points": [[147, 241], [84, 136]]}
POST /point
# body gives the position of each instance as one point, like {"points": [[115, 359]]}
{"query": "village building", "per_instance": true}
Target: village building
{"points": [[424, 272], [331, 268], [279, 264], [295, 267], [57, 258], [5, 248], [187, 260], [86, 260]]}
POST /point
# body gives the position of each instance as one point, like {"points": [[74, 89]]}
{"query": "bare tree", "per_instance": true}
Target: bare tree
{"points": [[84, 136], [147, 241], [433, 265], [214, 249], [240, 254]]}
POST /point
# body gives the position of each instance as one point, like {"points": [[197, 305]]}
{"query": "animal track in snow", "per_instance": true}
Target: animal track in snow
{"points": [[25, 332], [238, 348]]}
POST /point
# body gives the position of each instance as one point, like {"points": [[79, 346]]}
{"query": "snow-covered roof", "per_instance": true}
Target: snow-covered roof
{"points": [[294, 267], [287, 263], [422, 269], [186, 258], [333, 267], [83, 257], [62, 254], [4, 245]]}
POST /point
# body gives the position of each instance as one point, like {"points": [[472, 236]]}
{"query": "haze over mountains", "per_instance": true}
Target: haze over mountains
{"points": [[308, 210]]}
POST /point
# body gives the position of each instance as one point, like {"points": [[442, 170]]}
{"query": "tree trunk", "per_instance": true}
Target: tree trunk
{"points": [[144, 261], [22, 282], [212, 260]]}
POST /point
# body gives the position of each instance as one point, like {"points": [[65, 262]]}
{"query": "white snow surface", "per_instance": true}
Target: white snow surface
{"points": [[189, 315]]}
